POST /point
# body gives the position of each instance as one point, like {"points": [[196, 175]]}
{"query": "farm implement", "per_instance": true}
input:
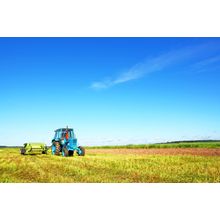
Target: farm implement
{"points": [[34, 148], [64, 144]]}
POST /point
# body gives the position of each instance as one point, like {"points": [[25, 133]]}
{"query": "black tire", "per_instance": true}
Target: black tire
{"points": [[58, 149], [83, 152], [23, 151], [71, 153]]}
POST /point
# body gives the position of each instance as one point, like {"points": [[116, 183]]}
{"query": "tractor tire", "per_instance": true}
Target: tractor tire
{"points": [[58, 148], [83, 152], [23, 151], [71, 153]]}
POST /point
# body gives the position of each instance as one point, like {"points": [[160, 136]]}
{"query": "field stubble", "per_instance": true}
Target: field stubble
{"points": [[113, 166]]}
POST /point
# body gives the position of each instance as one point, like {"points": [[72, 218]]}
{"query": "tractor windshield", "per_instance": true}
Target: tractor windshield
{"points": [[64, 134], [68, 134]]}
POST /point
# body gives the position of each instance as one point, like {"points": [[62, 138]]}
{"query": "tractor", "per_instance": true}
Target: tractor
{"points": [[65, 143]]}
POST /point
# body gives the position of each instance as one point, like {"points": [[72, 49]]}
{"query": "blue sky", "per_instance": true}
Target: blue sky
{"points": [[110, 90]]}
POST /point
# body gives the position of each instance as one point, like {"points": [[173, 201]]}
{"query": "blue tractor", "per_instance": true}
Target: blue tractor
{"points": [[65, 143]]}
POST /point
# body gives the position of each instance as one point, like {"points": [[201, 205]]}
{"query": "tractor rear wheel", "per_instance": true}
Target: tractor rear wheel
{"points": [[83, 152], [58, 148]]}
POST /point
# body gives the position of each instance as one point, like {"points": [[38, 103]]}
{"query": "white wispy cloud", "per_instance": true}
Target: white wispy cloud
{"points": [[207, 64], [136, 72], [151, 65]]}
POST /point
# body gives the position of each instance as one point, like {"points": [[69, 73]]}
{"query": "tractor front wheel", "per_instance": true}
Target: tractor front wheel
{"points": [[83, 152]]}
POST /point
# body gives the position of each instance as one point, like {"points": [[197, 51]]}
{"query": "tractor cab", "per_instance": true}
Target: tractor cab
{"points": [[64, 133]]}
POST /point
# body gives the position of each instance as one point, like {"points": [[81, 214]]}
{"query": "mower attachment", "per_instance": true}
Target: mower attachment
{"points": [[34, 148]]}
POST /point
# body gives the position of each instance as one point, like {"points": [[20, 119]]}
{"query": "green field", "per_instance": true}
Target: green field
{"points": [[109, 168]]}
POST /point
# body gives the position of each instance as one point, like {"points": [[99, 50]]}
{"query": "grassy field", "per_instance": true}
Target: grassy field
{"points": [[109, 168]]}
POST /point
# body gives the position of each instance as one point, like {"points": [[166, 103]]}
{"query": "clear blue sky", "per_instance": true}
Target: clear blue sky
{"points": [[110, 90]]}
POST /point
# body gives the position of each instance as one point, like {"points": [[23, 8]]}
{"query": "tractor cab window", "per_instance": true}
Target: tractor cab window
{"points": [[57, 135], [63, 134], [69, 135], [60, 134]]}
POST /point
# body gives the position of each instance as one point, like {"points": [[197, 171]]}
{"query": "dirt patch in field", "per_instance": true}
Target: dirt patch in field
{"points": [[167, 151]]}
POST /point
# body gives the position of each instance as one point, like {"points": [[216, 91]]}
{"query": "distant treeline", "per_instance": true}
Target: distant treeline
{"points": [[132, 145], [10, 147], [188, 141]]}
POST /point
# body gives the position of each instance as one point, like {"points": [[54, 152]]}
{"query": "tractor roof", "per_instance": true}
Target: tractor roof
{"points": [[64, 129]]}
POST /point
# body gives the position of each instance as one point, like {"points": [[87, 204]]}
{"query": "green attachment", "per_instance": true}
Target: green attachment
{"points": [[34, 148]]}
